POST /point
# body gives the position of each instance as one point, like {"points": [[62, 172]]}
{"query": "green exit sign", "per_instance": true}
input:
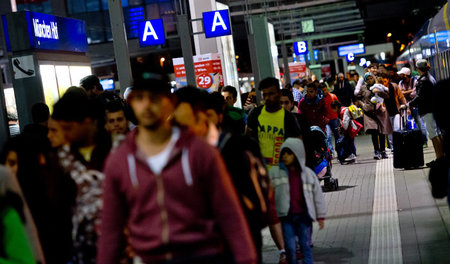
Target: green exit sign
{"points": [[308, 26]]}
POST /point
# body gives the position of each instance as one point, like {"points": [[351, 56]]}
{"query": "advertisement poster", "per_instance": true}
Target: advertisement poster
{"points": [[208, 71], [326, 69], [297, 70]]}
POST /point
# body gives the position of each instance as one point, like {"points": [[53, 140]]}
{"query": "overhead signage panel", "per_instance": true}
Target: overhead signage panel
{"points": [[300, 47], [216, 23], [151, 32], [56, 33], [355, 49]]}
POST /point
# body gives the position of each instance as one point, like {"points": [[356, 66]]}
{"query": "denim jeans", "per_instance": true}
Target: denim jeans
{"points": [[297, 226], [333, 127], [419, 123]]}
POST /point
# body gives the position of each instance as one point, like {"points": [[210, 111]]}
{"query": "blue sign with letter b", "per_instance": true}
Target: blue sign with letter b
{"points": [[216, 23], [151, 32]]}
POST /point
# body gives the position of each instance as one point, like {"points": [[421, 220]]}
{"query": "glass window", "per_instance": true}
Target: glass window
{"points": [[43, 7], [92, 5], [76, 6]]}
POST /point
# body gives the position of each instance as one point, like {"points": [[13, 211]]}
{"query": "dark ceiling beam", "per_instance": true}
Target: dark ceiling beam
{"points": [[281, 7]]}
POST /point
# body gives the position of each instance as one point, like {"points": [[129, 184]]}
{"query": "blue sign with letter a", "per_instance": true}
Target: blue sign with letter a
{"points": [[216, 23], [151, 32]]}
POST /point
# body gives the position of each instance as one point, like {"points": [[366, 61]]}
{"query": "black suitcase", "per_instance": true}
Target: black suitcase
{"points": [[408, 146]]}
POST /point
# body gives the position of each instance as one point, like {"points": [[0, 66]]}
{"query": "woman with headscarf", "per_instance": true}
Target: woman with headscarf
{"points": [[376, 121]]}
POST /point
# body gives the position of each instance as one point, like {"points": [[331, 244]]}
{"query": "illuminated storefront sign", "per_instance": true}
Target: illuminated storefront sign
{"points": [[216, 23], [355, 49]]}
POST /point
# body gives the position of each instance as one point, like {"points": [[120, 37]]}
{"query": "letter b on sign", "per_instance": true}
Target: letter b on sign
{"points": [[216, 23], [300, 47], [151, 32]]}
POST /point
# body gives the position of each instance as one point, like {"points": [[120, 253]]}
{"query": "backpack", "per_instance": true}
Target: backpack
{"points": [[355, 112], [250, 178]]}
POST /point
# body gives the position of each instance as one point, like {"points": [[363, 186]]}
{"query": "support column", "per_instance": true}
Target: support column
{"points": [[120, 44], [260, 51], [311, 52], [184, 31], [287, 76]]}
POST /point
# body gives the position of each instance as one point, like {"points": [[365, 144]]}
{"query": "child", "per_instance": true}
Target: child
{"points": [[350, 127], [376, 99], [298, 198]]}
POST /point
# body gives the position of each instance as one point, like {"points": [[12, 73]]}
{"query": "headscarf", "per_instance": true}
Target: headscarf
{"points": [[367, 76]]}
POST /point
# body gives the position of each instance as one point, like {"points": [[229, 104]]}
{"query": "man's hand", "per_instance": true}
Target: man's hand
{"points": [[403, 107], [321, 224]]}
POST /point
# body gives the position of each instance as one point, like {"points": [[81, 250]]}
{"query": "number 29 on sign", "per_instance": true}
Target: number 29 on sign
{"points": [[204, 81]]}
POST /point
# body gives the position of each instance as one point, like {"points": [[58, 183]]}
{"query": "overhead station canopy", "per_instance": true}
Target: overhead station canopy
{"points": [[306, 20]]}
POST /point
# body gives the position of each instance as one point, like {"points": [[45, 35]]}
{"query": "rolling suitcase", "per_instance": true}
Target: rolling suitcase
{"points": [[408, 146]]}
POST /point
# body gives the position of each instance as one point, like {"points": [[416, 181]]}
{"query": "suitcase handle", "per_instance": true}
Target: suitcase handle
{"points": [[403, 119]]}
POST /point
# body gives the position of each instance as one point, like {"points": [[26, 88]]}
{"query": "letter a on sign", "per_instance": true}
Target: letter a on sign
{"points": [[151, 32], [216, 23]]}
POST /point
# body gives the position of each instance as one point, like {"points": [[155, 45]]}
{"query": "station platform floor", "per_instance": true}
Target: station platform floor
{"points": [[379, 215]]}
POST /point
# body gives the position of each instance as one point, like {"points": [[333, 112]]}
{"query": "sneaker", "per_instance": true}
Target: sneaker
{"points": [[351, 158], [425, 145], [299, 254], [377, 155], [283, 258], [384, 155]]}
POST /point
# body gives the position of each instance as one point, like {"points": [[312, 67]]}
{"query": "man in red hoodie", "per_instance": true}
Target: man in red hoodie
{"points": [[312, 106], [172, 190]]}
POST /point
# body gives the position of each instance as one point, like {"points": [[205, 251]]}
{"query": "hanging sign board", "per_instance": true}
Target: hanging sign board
{"points": [[151, 32], [48, 32], [300, 47], [216, 23], [355, 49]]}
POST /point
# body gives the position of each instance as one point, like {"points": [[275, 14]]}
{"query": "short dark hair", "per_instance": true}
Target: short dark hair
{"points": [[77, 107], [216, 102], [196, 97], [297, 82], [114, 106], [90, 81], [336, 104], [269, 82], [286, 92], [40, 112], [322, 85], [312, 85], [231, 90]]}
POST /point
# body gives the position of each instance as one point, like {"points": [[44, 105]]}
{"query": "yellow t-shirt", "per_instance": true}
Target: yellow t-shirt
{"points": [[86, 152], [271, 135]]}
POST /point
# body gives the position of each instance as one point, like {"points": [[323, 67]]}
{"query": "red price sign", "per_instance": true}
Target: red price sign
{"points": [[204, 81]]}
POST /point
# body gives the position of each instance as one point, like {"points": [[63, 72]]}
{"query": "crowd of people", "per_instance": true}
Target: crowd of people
{"points": [[187, 177]]}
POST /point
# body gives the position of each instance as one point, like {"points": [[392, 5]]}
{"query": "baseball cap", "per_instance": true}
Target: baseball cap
{"points": [[422, 64], [405, 71]]}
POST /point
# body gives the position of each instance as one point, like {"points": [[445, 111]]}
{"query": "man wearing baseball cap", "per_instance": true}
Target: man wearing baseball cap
{"points": [[408, 85], [423, 101]]}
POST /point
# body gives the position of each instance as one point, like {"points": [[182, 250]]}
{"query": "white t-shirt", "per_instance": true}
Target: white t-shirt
{"points": [[159, 161]]}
